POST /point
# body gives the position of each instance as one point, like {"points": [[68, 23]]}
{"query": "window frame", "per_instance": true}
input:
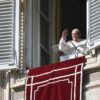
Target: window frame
{"points": [[36, 31]]}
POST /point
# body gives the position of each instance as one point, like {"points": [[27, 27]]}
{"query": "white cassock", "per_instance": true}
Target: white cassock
{"points": [[72, 49]]}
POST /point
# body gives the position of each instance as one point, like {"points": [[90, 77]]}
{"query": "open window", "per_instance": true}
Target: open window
{"points": [[40, 24], [84, 15], [73, 15]]}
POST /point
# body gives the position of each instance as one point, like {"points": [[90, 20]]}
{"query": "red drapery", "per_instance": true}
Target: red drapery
{"points": [[58, 81]]}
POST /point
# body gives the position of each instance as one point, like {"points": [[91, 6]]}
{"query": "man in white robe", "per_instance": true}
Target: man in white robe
{"points": [[74, 48]]}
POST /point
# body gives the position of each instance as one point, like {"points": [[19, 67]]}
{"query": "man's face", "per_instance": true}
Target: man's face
{"points": [[75, 36]]}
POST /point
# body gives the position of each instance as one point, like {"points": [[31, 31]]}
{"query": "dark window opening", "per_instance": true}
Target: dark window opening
{"points": [[73, 15]]}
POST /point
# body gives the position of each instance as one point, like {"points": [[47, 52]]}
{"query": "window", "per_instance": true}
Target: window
{"points": [[76, 17], [73, 15], [38, 39], [28, 45], [44, 32]]}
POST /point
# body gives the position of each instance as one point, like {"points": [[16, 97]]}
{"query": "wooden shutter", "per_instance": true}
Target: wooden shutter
{"points": [[93, 22], [6, 31]]}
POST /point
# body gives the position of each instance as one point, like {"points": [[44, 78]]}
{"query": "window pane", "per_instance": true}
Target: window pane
{"points": [[44, 6], [44, 32], [45, 59]]}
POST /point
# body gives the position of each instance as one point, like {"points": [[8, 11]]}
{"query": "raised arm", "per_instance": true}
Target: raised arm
{"points": [[64, 36], [63, 45]]}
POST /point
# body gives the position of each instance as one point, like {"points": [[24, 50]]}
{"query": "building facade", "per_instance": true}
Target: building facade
{"points": [[29, 29]]}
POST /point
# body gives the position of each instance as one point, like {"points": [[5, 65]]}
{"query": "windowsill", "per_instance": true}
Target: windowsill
{"points": [[92, 84], [91, 66], [92, 62], [8, 67], [19, 84]]}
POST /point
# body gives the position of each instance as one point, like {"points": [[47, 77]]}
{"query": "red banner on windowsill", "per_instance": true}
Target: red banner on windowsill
{"points": [[58, 81]]}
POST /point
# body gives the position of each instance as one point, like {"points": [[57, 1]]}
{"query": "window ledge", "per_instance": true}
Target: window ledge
{"points": [[18, 84], [8, 67], [91, 63], [91, 66], [92, 84]]}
